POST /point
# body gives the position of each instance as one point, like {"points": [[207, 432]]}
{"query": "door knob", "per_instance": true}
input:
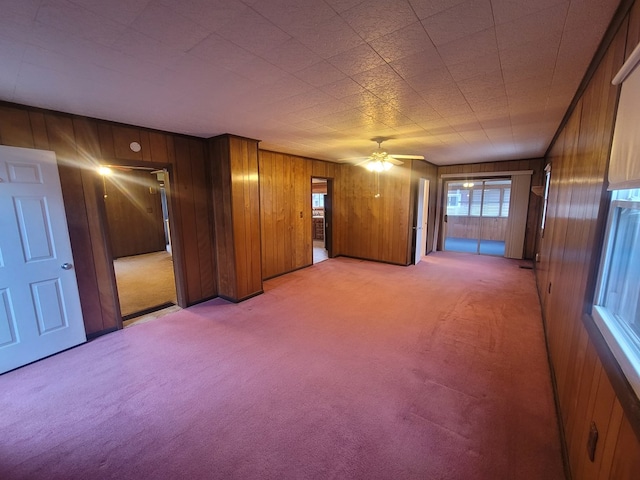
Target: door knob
{"points": [[66, 266]]}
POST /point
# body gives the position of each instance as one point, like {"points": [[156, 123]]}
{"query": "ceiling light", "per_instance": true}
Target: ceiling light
{"points": [[381, 161], [104, 171], [467, 184], [378, 165]]}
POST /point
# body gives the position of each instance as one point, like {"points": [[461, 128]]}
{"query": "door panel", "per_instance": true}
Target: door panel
{"points": [[18, 173], [49, 306], [7, 319], [40, 311], [35, 230]]}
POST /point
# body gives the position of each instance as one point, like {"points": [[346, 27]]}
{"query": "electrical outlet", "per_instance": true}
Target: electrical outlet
{"points": [[592, 441]]}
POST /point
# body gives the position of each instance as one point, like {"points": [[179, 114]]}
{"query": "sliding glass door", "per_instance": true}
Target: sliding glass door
{"points": [[477, 216]]}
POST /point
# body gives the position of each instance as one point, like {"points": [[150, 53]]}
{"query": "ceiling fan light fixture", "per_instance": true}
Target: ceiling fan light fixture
{"points": [[378, 165], [380, 155], [104, 171]]}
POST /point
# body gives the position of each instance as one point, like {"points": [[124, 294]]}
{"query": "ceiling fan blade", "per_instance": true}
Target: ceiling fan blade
{"points": [[353, 159], [392, 159], [363, 161], [408, 157]]}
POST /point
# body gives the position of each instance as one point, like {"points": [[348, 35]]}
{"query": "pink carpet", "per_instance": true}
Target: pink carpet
{"points": [[347, 369]]}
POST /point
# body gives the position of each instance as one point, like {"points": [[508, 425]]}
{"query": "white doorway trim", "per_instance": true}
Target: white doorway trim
{"points": [[422, 220]]}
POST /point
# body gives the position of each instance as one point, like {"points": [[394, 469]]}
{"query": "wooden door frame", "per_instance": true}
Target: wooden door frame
{"points": [[175, 231]]}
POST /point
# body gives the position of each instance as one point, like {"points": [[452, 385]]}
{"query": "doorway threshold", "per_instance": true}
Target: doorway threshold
{"points": [[148, 315]]}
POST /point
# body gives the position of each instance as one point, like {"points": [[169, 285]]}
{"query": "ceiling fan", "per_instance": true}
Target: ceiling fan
{"points": [[381, 161]]}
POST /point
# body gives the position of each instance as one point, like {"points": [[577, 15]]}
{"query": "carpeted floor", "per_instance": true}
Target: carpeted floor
{"points": [[144, 281], [344, 370]]}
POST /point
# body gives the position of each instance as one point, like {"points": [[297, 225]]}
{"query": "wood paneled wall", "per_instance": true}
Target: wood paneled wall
{"points": [[375, 214], [569, 255], [134, 213], [82, 143], [363, 226], [535, 201], [487, 228], [285, 210], [234, 162]]}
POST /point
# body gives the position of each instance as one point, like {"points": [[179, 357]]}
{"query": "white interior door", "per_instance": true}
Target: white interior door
{"points": [[421, 223], [425, 215], [40, 310]]}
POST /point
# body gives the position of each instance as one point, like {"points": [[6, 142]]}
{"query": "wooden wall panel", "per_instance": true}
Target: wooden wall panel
{"points": [[285, 216], [134, 213], [86, 132], [535, 201], [201, 184], [185, 200], [493, 228], [566, 273], [626, 460], [16, 128], [122, 138], [363, 226], [224, 234], [59, 131], [236, 206], [246, 214], [375, 227], [82, 143]]}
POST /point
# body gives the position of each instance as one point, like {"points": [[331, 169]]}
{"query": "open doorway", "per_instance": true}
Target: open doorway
{"points": [[477, 216], [321, 196], [137, 215]]}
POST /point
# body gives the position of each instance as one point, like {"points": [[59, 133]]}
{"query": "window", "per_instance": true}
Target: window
{"points": [[496, 202], [458, 202], [617, 304], [475, 201], [317, 200]]}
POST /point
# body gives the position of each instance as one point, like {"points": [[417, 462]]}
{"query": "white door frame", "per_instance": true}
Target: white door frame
{"points": [[422, 220]]}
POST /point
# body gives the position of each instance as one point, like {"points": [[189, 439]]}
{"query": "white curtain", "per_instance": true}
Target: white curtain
{"points": [[624, 165], [517, 223]]}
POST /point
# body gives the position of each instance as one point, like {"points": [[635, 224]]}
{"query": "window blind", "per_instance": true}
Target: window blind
{"points": [[624, 165]]}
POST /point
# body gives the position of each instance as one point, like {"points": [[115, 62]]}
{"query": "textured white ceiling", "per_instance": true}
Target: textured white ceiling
{"points": [[455, 81]]}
